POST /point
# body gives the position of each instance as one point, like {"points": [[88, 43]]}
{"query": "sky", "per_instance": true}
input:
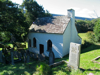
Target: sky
{"points": [[83, 8]]}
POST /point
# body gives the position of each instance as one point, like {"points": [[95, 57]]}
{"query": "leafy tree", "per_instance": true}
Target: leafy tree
{"points": [[5, 36], [15, 20], [81, 26], [85, 25], [12, 19], [97, 31], [33, 10], [89, 25]]}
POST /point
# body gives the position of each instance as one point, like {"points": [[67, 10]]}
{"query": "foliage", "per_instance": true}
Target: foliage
{"points": [[12, 19], [26, 73], [84, 25], [97, 31], [95, 35], [32, 10], [5, 36], [43, 69], [91, 36], [86, 44], [16, 20], [81, 26]]}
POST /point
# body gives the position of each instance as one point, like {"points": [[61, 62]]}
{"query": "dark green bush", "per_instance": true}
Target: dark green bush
{"points": [[91, 36], [97, 31], [81, 26], [5, 36], [86, 44], [85, 25]]}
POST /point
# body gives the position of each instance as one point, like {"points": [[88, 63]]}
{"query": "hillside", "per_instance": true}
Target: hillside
{"points": [[76, 17]]}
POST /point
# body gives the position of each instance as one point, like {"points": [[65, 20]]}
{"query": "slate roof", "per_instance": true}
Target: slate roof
{"points": [[55, 24]]}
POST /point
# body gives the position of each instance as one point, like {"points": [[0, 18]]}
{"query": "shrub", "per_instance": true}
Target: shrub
{"points": [[43, 69], [26, 73], [81, 26], [91, 36], [5, 36], [86, 44], [97, 31]]}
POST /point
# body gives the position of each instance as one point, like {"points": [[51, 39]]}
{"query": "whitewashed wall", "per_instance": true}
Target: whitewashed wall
{"points": [[60, 42], [70, 34], [74, 34], [66, 39], [42, 38], [77, 38]]}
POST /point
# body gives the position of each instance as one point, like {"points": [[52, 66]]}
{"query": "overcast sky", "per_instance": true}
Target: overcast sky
{"points": [[83, 8]]}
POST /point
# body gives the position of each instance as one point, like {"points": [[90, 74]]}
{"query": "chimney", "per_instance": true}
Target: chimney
{"points": [[71, 14]]}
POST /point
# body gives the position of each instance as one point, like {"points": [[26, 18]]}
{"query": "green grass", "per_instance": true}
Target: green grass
{"points": [[86, 65], [87, 54], [84, 37], [98, 60], [85, 59], [18, 68], [61, 69]]}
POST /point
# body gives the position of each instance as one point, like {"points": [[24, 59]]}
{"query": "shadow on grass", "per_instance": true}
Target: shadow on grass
{"points": [[89, 69], [62, 68], [29, 68], [19, 68], [89, 47], [64, 58]]}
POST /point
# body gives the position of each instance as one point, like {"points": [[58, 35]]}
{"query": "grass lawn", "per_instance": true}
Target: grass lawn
{"points": [[98, 60], [86, 65], [89, 54]]}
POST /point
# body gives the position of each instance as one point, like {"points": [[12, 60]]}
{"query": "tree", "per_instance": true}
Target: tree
{"points": [[33, 10], [81, 26], [12, 19], [16, 22], [97, 31]]}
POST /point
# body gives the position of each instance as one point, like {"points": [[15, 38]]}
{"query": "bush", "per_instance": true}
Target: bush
{"points": [[91, 36], [81, 26], [26, 73], [5, 36], [86, 44], [97, 31], [43, 69], [85, 25]]}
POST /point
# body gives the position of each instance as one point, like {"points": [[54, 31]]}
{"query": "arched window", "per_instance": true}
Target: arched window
{"points": [[29, 42], [49, 45], [34, 42]]}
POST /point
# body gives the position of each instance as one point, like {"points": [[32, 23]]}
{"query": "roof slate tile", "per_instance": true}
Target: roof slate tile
{"points": [[55, 24]]}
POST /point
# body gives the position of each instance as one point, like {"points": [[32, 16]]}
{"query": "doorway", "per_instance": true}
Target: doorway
{"points": [[41, 48]]}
